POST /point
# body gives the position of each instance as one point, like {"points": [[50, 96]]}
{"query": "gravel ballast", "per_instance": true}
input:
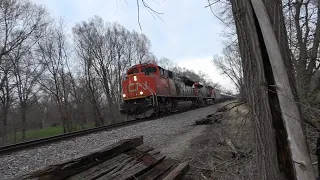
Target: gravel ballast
{"points": [[157, 133]]}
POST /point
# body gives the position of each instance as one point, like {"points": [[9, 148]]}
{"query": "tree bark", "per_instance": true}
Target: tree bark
{"points": [[297, 163], [4, 128], [257, 93], [273, 152], [23, 118]]}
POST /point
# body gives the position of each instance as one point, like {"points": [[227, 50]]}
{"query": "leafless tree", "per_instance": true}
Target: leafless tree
{"points": [[98, 51], [53, 52], [166, 63], [303, 24], [230, 64], [106, 50], [6, 97], [27, 71], [21, 25]]}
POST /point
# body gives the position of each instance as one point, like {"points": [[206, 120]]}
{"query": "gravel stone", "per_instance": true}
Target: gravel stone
{"points": [[157, 133]]}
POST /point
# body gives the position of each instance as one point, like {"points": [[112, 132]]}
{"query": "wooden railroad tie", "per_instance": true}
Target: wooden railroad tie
{"points": [[127, 159]]}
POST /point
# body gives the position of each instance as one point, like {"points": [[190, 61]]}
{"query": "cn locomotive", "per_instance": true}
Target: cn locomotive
{"points": [[148, 89]]}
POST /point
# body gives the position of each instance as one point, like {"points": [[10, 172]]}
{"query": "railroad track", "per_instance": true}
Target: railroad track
{"points": [[43, 141]]}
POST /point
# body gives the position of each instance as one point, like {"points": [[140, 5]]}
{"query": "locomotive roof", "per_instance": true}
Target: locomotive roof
{"points": [[187, 81], [142, 65]]}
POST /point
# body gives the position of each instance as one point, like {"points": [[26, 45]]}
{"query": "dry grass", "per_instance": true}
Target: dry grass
{"points": [[311, 114], [312, 136], [226, 151]]}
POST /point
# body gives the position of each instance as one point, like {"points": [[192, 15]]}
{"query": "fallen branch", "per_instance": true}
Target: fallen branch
{"points": [[225, 108], [210, 119]]}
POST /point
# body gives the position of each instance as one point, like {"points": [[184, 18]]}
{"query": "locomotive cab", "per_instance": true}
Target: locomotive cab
{"points": [[138, 86]]}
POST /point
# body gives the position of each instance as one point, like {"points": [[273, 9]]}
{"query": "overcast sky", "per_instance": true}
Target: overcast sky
{"points": [[189, 34]]}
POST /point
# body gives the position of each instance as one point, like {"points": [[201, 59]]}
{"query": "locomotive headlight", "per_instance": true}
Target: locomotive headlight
{"points": [[135, 78], [124, 95], [141, 93]]}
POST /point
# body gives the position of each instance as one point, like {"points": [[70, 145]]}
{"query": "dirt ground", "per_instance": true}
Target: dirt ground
{"points": [[221, 150]]}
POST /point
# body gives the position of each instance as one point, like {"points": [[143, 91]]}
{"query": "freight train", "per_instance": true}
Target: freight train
{"points": [[148, 89]]}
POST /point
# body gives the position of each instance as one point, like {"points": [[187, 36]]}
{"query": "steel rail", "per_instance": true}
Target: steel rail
{"points": [[47, 140]]}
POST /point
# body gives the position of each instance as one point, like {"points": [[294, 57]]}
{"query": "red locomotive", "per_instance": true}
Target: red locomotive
{"points": [[149, 90]]}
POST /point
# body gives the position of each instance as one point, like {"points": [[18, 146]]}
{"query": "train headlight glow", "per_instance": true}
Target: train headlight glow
{"points": [[124, 95], [135, 78], [141, 93]]}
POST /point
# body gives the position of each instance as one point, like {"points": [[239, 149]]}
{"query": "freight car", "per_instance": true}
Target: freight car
{"points": [[148, 89]]}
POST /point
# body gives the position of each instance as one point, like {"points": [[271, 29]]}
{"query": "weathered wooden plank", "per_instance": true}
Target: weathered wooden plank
{"points": [[144, 148], [154, 152], [136, 154], [69, 168], [177, 172], [102, 168], [167, 172], [122, 161], [158, 170], [147, 162], [119, 169], [289, 110]]}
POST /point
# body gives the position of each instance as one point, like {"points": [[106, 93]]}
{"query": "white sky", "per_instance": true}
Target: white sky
{"points": [[189, 34], [204, 64]]}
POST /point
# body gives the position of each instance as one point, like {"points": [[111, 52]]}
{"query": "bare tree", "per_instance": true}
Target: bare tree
{"points": [[94, 42], [53, 51], [230, 64], [21, 25], [106, 51], [6, 97], [303, 24], [27, 72], [166, 63]]}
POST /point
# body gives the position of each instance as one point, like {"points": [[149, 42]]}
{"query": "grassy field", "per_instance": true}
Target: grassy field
{"points": [[42, 133]]}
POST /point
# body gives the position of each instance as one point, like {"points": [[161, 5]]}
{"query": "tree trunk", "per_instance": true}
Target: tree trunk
{"points": [[315, 49], [95, 106], [273, 152], [256, 91], [294, 148], [108, 92], [23, 122], [4, 128], [15, 131]]}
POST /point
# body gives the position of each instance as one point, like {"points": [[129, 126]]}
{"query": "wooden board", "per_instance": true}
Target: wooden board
{"points": [[158, 170], [126, 160], [289, 110], [177, 172], [69, 168]]}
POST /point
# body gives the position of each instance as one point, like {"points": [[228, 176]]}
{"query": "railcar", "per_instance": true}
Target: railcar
{"points": [[148, 89], [227, 97]]}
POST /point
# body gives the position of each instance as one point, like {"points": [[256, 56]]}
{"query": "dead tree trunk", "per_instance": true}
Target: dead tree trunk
{"points": [[282, 151]]}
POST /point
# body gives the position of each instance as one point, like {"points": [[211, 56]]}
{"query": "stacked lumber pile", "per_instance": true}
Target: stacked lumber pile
{"points": [[127, 159]]}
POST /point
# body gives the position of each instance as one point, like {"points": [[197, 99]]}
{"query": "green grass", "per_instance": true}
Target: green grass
{"points": [[41, 133], [35, 134]]}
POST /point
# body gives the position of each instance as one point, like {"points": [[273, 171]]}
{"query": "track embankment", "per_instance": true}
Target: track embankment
{"points": [[225, 149], [171, 135]]}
